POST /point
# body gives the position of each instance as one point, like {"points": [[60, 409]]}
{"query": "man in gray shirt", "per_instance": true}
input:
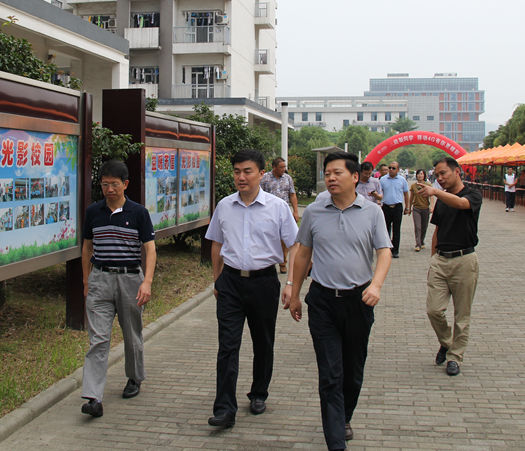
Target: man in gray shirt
{"points": [[342, 232]]}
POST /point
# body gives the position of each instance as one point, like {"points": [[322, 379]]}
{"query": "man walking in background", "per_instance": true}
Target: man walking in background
{"points": [[395, 190], [280, 184], [368, 186], [510, 189]]}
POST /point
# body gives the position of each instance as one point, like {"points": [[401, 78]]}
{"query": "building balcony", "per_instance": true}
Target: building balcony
{"points": [[309, 124], [265, 14], [142, 38], [200, 91], [202, 39], [264, 62], [263, 101], [152, 89]]}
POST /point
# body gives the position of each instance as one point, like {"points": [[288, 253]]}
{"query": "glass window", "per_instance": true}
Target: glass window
{"points": [[346, 122], [318, 117], [415, 118], [291, 116], [373, 116], [430, 118], [402, 115], [388, 116], [139, 75], [304, 117], [360, 116]]}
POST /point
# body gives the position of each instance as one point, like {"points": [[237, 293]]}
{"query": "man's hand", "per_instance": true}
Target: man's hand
{"points": [[144, 293], [371, 295], [295, 308], [287, 295], [426, 190]]}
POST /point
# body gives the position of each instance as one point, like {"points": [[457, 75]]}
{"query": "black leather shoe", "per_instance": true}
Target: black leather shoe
{"points": [[452, 368], [441, 356], [349, 434], [93, 408], [225, 420], [257, 406], [395, 254], [131, 389]]}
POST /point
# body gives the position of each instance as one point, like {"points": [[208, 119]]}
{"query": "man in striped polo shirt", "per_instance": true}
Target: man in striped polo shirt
{"points": [[115, 229]]}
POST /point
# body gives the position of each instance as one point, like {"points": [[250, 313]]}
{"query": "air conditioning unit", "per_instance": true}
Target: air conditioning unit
{"points": [[112, 23], [221, 19]]}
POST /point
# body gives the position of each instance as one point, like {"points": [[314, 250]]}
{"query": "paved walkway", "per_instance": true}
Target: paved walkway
{"points": [[406, 403]]}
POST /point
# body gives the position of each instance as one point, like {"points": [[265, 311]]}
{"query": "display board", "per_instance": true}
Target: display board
{"points": [[194, 185], [38, 194]]}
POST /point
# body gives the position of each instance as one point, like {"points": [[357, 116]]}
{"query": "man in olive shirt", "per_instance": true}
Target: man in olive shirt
{"points": [[454, 265]]}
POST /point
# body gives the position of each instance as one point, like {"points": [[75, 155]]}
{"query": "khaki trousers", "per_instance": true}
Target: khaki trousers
{"points": [[456, 277]]}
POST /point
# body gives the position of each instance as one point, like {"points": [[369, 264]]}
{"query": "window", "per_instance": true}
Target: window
{"points": [[415, 118], [402, 115], [304, 117], [143, 75], [430, 118], [145, 20], [388, 116], [346, 122], [318, 117], [373, 116], [291, 116], [360, 116]]}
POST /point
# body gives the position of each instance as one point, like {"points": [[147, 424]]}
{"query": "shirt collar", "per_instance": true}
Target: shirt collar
{"points": [[358, 202], [261, 198], [104, 205]]}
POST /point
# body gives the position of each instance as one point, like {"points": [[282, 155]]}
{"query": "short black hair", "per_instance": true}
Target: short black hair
{"points": [[249, 155], [276, 162], [114, 168], [424, 173], [350, 159], [449, 161], [366, 166], [383, 164]]}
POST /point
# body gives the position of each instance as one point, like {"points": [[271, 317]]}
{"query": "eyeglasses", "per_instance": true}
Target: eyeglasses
{"points": [[392, 167], [113, 185]]}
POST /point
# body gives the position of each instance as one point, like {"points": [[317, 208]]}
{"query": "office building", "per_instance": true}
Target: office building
{"points": [[445, 104], [183, 52]]}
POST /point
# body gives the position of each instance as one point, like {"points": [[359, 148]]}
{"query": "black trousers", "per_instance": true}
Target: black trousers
{"points": [[393, 217], [340, 328], [510, 199], [240, 298]]}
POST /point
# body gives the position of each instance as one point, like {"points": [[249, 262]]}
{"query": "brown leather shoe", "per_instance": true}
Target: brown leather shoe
{"points": [[349, 434]]}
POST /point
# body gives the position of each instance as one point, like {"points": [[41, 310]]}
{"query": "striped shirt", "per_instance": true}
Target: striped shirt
{"points": [[117, 236]]}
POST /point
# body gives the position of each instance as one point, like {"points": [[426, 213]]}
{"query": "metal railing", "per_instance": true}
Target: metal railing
{"points": [[263, 101], [200, 91], [56, 3], [201, 34], [261, 9]]}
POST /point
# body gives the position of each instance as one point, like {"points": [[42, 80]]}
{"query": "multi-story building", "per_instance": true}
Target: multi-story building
{"points": [[335, 113], [77, 48], [220, 52], [445, 104]]}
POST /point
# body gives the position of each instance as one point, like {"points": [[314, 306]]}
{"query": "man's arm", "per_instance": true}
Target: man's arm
{"points": [[295, 208], [144, 293], [217, 262], [372, 293], [302, 259], [287, 291], [461, 203], [87, 252], [407, 204], [434, 241]]}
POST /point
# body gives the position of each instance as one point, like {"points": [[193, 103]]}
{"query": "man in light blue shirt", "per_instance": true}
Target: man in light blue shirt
{"points": [[246, 229], [395, 190]]}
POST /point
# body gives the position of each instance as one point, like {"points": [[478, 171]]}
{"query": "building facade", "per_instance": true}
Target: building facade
{"points": [[335, 113], [77, 48], [183, 52], [445, 104]]}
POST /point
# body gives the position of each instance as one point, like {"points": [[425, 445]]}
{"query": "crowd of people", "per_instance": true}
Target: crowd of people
{"points": [[252, 231]]}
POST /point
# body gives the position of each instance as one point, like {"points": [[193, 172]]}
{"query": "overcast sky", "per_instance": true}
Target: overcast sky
{"points": [[333, 47]]}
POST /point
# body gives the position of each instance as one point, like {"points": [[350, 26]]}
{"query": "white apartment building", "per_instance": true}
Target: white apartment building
{"points": [[220, 52], [335, 113], [78, 48]]}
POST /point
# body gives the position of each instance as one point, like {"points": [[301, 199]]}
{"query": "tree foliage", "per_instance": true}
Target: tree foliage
{"points": [[17, 57], [512, 132], [406, 158], [403, 124]]}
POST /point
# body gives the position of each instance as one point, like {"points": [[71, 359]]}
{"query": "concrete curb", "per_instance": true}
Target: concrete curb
{"points": [[58, 391]]}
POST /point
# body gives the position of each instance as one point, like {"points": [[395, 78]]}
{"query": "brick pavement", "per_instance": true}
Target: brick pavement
{"points": [[406, 403]]}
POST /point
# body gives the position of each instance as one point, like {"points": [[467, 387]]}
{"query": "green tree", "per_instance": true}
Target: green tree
{"points": [[406, 158], [151, 103], [403, 124], [357, 138]]}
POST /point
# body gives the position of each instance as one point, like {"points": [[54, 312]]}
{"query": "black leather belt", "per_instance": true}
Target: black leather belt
{"points": [[392, 205], [119, 269], [336, 293], [458, 253], [250, 274]]}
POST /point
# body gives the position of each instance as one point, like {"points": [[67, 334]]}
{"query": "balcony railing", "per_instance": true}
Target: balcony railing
{"points": [[261, 56], [261, 9], [152, 89], [200, 91], [142, 38], [202, 34], [263, 101], [57, 3]]}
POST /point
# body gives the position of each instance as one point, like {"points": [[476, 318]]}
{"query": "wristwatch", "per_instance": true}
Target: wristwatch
{"points": [[289, 282]]}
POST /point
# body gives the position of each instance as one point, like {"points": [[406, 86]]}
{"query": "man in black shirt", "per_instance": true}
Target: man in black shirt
{"points": [[454, 264]]}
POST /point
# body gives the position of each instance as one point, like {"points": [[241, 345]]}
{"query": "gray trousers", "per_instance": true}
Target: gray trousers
{"points": [[421, 218], [110, 294]]}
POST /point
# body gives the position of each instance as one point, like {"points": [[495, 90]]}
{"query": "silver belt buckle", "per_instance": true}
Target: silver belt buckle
{"points": [[337, 295], [245, 273]]}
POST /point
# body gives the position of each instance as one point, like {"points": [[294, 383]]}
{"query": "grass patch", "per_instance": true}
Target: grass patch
{"points": [[36, 348], [304, 200]]}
